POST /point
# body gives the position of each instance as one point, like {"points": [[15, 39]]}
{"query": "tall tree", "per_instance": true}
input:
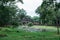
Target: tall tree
{"points": [[21, 14], [49, 13], [8, 10]]}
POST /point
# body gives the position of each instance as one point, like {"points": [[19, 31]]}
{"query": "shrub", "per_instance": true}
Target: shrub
{"points": [[6, 30], [44, 30], [15, 24], [30, 24], [17, 31], [3, 35]]}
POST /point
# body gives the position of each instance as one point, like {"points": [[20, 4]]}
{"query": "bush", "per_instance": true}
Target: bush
{"points": [[44, 30], [6, 30], [15, 24], [3, 35], [30, 24]]}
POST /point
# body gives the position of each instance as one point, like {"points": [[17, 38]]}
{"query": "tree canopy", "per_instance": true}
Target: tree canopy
{"points": [[49, 11], [8, 9]]}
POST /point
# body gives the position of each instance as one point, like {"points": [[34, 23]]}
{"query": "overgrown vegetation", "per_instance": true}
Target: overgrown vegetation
{"points": [[30, 24], [11, 16], [12, 34]]}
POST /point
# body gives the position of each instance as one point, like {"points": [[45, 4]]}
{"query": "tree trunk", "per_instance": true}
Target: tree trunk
{"points": [[58, 30]]}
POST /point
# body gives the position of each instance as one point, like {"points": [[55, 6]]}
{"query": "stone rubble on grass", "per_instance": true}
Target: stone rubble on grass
{"points": [[31, 29]]}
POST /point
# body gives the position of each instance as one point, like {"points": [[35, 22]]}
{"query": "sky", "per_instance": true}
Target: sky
{"points": [[30, 6]]}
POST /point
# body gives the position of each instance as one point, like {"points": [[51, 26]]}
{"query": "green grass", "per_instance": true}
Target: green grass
{"points": [[12, 34], [46, 27]]}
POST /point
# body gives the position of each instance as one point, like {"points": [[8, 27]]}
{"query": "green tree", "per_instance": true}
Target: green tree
{"points": [[36, 18], [49, 13], [21, 14], [8, 10], [44, 11]]}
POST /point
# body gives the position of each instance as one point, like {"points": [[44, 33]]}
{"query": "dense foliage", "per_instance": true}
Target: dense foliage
{"points": [[30, 24], [49, 13], [8, 11]]}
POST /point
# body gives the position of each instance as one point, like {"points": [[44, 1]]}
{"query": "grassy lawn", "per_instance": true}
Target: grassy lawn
{"points": [[15, 34], [46, 27]]}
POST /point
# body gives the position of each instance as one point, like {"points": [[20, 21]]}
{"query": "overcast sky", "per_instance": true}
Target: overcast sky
{"points": [[30, 6]]}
